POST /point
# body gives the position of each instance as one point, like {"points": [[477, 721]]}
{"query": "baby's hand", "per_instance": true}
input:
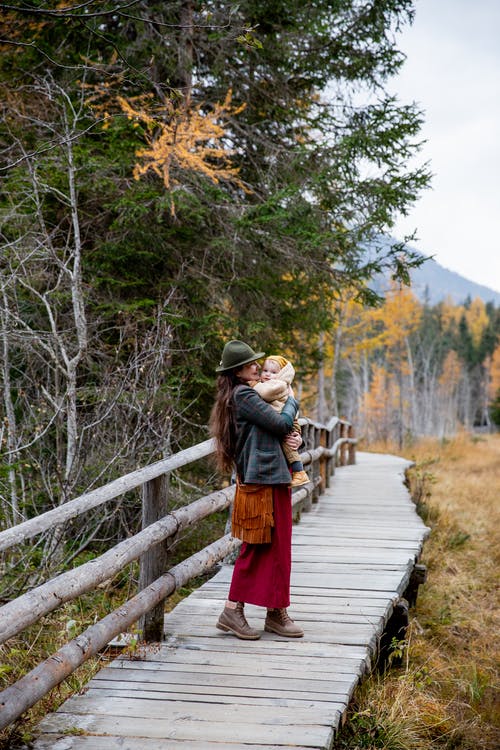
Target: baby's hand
{"points": [[294, 440]]}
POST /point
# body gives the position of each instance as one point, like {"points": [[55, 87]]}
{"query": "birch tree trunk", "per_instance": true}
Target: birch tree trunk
{"points": [[80, 321], [412, 388], [11, 426]]}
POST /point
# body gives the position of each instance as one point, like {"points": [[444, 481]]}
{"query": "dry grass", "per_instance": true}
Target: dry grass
{"points": [[446, 695]]}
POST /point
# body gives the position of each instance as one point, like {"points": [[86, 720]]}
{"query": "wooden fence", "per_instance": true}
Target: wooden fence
{"points": [[326, 446]]}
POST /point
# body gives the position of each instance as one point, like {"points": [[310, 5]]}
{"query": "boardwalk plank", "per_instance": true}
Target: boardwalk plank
{"points": [[357, 542], [165, 728], [134, 707], [294, 681], [286, 649], [229, 695], [355, 635], [201, 689], [301, 612], [106, 742], [252, 663]]}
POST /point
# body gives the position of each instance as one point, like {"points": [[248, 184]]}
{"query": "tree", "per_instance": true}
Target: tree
{"points": [[422, 350], [449, 382], [381, 405], [494, 385], [386, 332]]}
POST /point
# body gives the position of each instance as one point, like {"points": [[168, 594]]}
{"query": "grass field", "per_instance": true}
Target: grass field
{"points": [[446, 693]]}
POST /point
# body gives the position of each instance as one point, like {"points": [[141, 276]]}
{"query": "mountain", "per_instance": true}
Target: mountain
{"points": [[433, 283]]}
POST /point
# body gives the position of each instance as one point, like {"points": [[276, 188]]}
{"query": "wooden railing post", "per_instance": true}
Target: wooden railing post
{"points": [[153, 563], [352, 446], [335, 437], [343, 447], [323, 437], [308, 438], [330, 461], [316, 471]]}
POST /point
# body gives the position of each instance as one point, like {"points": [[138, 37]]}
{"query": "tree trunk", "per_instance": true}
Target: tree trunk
{"points": [[11, 426], [80, 320], [185, 50]]}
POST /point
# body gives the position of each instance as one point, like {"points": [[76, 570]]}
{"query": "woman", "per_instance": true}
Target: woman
{"points": [[248, 434]]}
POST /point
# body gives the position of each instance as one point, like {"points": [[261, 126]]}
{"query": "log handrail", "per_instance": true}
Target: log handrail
{"points": [[84, 503], [19, 613], [16, 615]]}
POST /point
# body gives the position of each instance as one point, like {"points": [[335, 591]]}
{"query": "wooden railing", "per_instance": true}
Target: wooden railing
{"points": [[326, 446]]}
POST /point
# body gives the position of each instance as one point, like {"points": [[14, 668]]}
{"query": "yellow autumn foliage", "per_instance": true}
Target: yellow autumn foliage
{"points": [[177, 137], [451, 372], [477, 320], [450, 314], [187, 138], [398, 317], [380, 403]]}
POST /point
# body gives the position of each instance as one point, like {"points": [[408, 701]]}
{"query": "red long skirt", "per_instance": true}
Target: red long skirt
{"points": [[262, 571]]}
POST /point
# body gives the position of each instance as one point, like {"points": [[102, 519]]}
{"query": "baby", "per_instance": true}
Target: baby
{"points": [[275, 378]]}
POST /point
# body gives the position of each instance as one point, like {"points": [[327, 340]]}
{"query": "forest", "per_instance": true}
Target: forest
{"points": [[177, 174], [404, 369]]}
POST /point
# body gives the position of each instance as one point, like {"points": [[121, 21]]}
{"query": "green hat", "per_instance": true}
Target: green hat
{"points": [[236, 354]]}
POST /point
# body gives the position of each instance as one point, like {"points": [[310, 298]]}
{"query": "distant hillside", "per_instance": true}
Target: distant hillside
{"points": [[442, 283], [434, 283]]}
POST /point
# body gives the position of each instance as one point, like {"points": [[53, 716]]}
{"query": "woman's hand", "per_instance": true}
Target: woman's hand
{"points": [[294, 440]]}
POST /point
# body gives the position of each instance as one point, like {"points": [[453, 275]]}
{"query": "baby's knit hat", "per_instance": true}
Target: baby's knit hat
{"points": [[280, 360]]}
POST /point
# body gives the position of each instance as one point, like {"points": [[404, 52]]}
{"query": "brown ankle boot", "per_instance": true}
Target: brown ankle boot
{"points": [[299, 478], [234, 621], [278, 621]]}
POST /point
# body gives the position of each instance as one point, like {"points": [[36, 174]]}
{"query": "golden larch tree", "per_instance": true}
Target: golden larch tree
{"points": [[178, 137], [477, 320], [380, 404]]}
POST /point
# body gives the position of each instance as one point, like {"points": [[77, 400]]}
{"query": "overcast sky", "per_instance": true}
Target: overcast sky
{"points": [[452, 71]]}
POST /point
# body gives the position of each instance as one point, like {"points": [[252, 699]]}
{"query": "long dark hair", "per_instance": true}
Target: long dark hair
{"points": [[222, 421]]}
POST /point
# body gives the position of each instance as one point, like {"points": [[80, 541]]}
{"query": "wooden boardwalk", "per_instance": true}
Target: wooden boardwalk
{"points": [[202, 689]]}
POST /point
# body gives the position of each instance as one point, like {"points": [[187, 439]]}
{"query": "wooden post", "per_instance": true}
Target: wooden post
{"points": [[352, 446], [343, 447], [418, 577], [323, 462], [335, 437], [330, 462], [316, 471], [395, 630], [153, 563], [308, 438]]}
